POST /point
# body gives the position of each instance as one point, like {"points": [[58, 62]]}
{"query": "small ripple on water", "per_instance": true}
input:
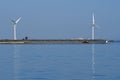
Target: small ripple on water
{"points": [[39, 78], [36, 78], [100, 75], [76, 79]]}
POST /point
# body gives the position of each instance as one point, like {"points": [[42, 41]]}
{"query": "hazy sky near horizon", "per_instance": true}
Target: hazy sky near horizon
{"points": [[44, 19]]}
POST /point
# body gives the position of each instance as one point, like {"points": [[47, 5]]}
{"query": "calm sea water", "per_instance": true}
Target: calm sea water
{"points": [[60, 62]]}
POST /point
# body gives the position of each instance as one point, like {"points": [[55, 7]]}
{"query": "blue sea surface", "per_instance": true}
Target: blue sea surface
{"points": [[60, 62]]}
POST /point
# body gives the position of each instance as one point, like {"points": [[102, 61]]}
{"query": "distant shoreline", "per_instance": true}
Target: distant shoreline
{"points": [[56, 41]]}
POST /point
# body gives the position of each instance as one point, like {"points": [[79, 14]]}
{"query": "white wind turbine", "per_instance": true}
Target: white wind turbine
{"points": [[14, 26], [93, 26]]}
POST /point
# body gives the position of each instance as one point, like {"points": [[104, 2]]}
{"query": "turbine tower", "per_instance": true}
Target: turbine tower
{"points": [[14, 26], [93, 26]]}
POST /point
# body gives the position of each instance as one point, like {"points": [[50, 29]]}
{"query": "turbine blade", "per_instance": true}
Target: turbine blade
{"points": [[93, 19], [17, 20], [13, 21], [97, 26]]}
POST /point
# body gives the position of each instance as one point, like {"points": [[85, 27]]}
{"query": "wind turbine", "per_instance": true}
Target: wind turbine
{"points": [[14, 26], [93, 26]]}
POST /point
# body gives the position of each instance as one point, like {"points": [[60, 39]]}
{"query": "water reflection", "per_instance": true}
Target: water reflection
{"points": [[16, 62], [93, 62]]}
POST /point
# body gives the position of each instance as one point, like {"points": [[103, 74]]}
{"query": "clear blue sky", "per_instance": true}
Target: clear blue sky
{"points": [[60, 18]]}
